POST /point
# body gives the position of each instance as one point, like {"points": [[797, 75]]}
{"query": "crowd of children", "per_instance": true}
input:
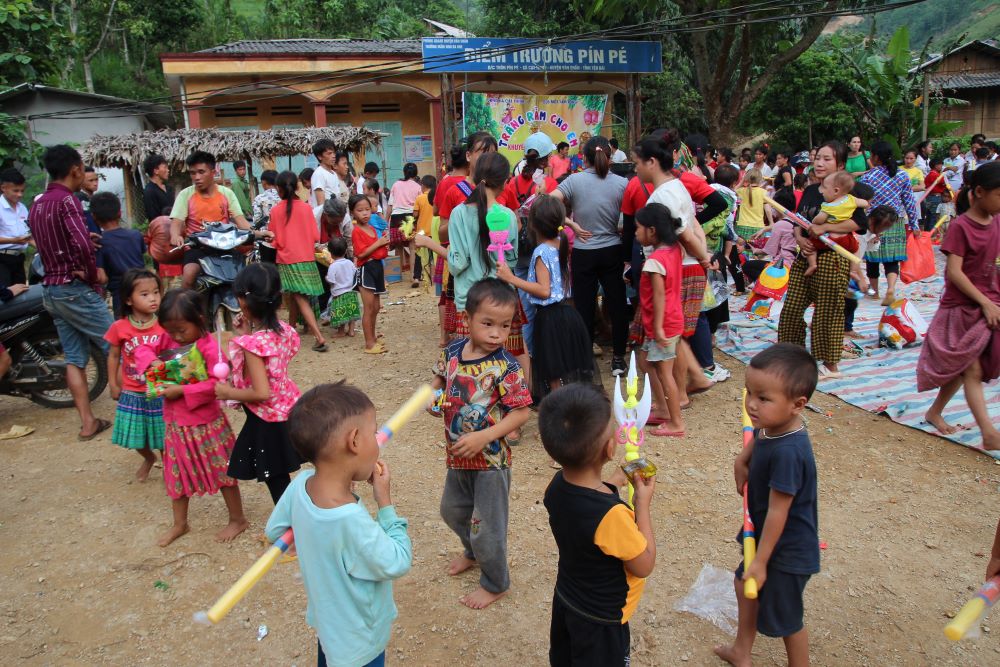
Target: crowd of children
{"points": [[513, 339]]}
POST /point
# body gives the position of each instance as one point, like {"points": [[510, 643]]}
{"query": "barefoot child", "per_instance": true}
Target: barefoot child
{"points": [[662, 315], [261, 351], [345, 302], [962, 346], [486, 397], [348, 560], [370, 248], [838, 206], [782, 497], [605, 549], [562, 345], [197, 440], [138, 418]]}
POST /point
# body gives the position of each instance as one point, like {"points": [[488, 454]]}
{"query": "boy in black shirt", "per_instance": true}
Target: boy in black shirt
{"points": [[781, 497], [605, 549]]}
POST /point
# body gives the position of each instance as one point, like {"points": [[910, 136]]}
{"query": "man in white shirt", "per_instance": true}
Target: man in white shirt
{"points": [[329, 179], [617, 155], [760, 163], [14, 232]]}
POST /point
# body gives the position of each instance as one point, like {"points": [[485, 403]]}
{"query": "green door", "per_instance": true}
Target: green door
{"points": [[389, 155]]}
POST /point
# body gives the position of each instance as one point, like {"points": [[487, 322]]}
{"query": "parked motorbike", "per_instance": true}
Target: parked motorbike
{"points": [[38, 371], [220, 241]]}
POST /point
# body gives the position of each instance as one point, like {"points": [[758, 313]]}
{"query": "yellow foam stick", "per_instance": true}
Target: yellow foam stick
{"points": [[420, 399], [973, 610], [941, 220], [749, 540], [243, 585]]}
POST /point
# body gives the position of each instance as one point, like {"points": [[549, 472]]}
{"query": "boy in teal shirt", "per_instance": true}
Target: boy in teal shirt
{"points": [[348, 560]]}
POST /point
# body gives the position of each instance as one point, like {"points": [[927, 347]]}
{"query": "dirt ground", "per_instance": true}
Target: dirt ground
{"points": [[908, 518]]}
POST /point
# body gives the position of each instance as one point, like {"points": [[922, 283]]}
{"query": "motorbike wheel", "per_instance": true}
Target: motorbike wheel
{"points": [[96, 370]]}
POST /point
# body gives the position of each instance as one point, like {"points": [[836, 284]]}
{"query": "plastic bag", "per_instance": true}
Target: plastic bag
{"points": [[713, 598], [919, 262]]}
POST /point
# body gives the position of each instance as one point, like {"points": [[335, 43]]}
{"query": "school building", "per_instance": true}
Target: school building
{"points": [[409, 90]]}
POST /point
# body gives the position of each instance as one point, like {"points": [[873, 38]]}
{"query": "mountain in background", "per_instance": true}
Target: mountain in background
{"points": [[940, 19]]}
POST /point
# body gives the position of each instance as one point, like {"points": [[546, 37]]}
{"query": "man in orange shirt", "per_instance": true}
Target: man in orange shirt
{"points": [[204, 201]]}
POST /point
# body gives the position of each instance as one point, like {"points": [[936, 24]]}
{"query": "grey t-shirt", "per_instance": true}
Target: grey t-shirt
{"points": [[597, 204]]}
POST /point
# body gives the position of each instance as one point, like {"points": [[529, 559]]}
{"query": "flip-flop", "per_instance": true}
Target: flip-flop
{"points": [[656, 421], [102, 426], [318, 347], [375, 349], [660, 433]]}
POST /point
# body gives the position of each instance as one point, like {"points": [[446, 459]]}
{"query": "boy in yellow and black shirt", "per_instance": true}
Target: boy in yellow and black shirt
{"points": [[605, 549]]}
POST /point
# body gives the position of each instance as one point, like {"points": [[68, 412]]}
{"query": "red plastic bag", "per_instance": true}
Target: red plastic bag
{"points": [[919, 262]]}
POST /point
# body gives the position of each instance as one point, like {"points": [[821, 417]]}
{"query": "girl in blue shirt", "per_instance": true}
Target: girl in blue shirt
{"points": [[562, 351]]}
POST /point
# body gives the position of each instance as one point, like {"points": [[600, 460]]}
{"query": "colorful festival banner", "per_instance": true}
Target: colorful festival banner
{"points": [[511, 117]]}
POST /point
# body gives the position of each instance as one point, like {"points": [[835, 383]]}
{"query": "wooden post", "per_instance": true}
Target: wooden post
{"points": [[925, 103]]}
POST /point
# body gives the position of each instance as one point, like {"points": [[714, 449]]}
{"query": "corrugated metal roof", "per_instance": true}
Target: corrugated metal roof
{"points": [[318, 46], [990, 46], [951, 81]]}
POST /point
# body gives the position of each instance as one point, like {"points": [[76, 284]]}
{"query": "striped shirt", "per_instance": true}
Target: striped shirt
{"points": [[61, 236], [894, 191]]}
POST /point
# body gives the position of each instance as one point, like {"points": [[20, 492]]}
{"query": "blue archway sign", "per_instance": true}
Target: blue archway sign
{"points": [[499, 54]]}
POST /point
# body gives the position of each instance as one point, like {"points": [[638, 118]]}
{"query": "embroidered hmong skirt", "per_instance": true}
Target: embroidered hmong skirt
{"points": [[138, 422], [196, 458], [345, 308], [300, 278]]}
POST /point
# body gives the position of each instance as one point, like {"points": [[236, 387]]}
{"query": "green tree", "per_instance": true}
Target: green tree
{"points": [[733, 64], [17, 149], [886, 93], [787, 108], [28, 38]]}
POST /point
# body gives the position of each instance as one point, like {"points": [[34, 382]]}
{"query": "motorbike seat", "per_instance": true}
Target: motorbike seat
{"points": [[23, 304]]}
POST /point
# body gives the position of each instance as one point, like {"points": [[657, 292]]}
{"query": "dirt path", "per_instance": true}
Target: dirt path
{"points": [[909, 519]]}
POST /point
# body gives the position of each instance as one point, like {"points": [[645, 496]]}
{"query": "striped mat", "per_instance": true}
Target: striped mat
{"points": [[882, 381]]}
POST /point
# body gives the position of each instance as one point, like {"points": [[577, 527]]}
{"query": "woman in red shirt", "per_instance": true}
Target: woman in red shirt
{"points": [[295, 237]]}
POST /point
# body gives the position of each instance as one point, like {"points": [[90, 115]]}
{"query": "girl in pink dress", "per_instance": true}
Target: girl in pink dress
{"points": [[197, 440], [962, 347], [261, 352]]}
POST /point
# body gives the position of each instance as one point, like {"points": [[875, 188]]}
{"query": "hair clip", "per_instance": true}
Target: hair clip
{"points": [[560, 228], [598, 148]]}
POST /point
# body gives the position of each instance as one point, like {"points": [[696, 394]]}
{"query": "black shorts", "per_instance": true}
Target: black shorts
{"points": [[373, 276], [779, 602], [575, 641], [194, 255]]}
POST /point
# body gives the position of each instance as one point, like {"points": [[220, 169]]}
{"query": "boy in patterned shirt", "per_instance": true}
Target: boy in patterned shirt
{"points": [[484, 398]]}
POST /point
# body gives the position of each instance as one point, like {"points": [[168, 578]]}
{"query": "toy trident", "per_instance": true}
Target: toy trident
{"points": [[499, 225], [420, 399], [631, 415]]}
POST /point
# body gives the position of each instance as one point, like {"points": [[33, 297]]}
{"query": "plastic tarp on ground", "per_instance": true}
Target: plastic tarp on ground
{"points": [[881, 380]]}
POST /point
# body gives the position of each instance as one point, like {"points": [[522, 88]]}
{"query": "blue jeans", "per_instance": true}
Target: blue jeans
{"points": [[321, 658], [81, 317], [529, 311]]}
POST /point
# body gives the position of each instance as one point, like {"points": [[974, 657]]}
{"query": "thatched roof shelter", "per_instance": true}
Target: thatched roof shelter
{"points": [[129, 150]]}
